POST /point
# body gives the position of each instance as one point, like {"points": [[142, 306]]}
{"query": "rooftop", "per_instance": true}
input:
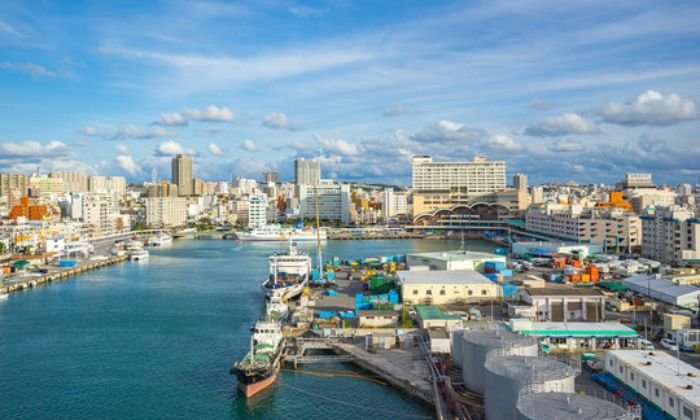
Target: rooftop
{"points": [[438, 333], [664, 369], [563, 291], [442, 277], [433, 312], [664, 286], [571, 329], [459, 256], [378, 313]]}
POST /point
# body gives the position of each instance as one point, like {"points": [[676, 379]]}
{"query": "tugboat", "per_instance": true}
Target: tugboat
{"points": [[258, 369], [289, 274]]}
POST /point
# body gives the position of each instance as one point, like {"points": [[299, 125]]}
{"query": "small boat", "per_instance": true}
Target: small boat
{"points": [[138, 255], [258, 369], [4, 296], [160, 240]]}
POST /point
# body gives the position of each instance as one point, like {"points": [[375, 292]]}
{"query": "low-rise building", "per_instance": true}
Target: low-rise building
{"points": [[439, 341], [553, 248], [453, 260], [577, 335], [663, 290], [445, 287], [378, 319], [671, 235], [565, 304], [433, 317], [670, 384]]}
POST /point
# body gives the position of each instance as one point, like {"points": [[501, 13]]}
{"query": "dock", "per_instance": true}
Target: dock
{"points": [[28, 282]]}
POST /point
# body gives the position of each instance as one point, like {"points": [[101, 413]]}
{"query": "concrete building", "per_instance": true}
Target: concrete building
{"points": [[452, 260], [520, 181], [73, 182], [394, 203], [433, 317], [162, 189], [271, 177], [565, 304], [577, 336], [669, 383], [257, 210], [43, 186], [333, 201], [671, 235], [439, 185], [307, 172], [610, 227], [182, 174], [166, 211], [537, 195], [552, 248], [107, 184], [100, 211], [445, 287], [18, 183], [378, 319], [638, 180], [664, 290]]}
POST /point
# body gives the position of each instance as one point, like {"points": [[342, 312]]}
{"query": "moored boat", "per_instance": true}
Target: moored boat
{"points": [[276, 233], [289, 274], [138, 255], [259, 368], [160, 240]]}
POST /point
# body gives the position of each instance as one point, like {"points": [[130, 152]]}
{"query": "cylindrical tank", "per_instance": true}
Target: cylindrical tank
{"points": [[507, 375], [560, 405], [457, 338], [478, 344]]}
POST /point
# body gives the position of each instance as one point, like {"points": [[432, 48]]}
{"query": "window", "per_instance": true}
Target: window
{"points": [[610, 361], [687, 413], [415, 292], [428, 292], [471, 292], [656, 392], [483, 292], [622, 369], [644, 384], [442, 292], [671, 401]]}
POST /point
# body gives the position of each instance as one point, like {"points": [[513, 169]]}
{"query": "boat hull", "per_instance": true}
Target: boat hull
{"points": [[284, 293], [250, 389]]}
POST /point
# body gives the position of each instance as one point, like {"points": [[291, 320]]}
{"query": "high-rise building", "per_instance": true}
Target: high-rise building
{"points": [[43, 186], [307, 172], [670, 234], [637, 180], [166, 211], [271, 177], [100, 211], [438, 185], [520, 181], [182, 174], [394, 203], [16, 183], [537, 195], [333, 201], [103, 184], [72, 181], [257, 210]]}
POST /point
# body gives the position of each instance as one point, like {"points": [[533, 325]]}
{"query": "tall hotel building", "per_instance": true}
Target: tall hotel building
{"points": [[438, 185], [182, 174]]}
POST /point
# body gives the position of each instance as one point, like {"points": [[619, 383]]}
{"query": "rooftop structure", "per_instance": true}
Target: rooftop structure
{"points": [[571, 329], [664, 290], [565, 304], [556, 247], [561, 405], [432, 317], [453, 260]]}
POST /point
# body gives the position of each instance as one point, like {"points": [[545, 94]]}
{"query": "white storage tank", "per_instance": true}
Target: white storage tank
{"points": [[506, 376], [560, 405], [457, 339], [478, 344]]}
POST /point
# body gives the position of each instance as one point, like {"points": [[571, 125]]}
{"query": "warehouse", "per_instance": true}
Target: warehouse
{"points": [[573, 336], [553, 248], [445, 287], [453, 260], [433, 317], [664, 290], [565, 304], [671, 384]]}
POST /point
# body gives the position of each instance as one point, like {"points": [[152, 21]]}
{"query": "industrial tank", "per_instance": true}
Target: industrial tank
{"points": [[560, 405], [457, 338], [506, 376], [478, 344]]}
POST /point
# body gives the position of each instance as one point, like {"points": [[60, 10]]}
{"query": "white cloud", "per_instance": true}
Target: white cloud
{"points": [[127, 163], [211, 113], [651, 108], [171, 148], [562, 125], [538, 103], [566, 146], [8, 29], [338, 146], [172, 119], [126, 132], [503, 142], [279, 121], [27, 68], [34, 149], [445, 130], [215, 150], [123, 149], [248, 145]]}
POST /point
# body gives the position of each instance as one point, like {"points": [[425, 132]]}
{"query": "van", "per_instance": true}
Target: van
{"points": [[646, 344]]}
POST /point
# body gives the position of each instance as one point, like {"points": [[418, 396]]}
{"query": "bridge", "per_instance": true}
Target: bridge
{"points": [[298, 347]]}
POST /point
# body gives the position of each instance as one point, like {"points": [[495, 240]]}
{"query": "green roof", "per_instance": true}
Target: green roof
{"points": [[579, 333], [433, 312]]}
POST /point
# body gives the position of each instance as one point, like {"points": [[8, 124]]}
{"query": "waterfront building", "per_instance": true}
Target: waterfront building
{"points": [[669, 383], [307, 172], [394, 203], [446, 287], [100, 211], [378, 319], [453, 260], [671, 234], [166, 211], [72, 181], [554, 248], [565, 304], [181, 167], [614, 228], [101, 184], [13, 183], [333, 201], [43, 186], [520, 181], [434, 317], [257, 210]]}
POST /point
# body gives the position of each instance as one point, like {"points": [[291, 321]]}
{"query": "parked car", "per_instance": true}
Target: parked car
{"points": [[646, 345], [669, 344]]}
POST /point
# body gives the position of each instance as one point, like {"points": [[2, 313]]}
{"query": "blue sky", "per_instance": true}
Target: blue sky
{"points": [[582, 90]]}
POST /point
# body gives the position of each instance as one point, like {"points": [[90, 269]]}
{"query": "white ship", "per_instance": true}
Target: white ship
{"points": [[138, 255], [160, 240], [276, 309], [276, 233], [289, 274]]}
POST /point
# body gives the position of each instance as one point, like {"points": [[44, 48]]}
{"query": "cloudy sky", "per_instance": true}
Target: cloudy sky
{"points": [[583, 90]]}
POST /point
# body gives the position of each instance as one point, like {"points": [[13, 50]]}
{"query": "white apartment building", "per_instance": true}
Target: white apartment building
{"points": [[244, 186], [166, 211], [43, 186], [640, 199], [107, 184], [671, 234], [257, 210], [333, 201], [638, 180], [394, 203], [307, 171], [612, 228], [100, 211], [72, 181]]}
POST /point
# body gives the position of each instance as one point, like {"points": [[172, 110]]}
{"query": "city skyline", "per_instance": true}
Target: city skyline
{"points": [[584, 91]]}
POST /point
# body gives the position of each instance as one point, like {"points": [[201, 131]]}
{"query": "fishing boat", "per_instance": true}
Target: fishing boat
{"points": [[259, 368], [160, 240], [289, 274]]}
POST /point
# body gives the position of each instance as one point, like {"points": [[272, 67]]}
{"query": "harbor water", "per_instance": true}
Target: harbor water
{"points": [[155, 339]]}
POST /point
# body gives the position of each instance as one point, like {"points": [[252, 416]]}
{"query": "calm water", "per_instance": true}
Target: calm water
{"points": [[156, 340]]}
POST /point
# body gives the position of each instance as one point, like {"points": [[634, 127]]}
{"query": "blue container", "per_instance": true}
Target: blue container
{"points": [[492, 276], [326, 314], [330, 275], [502, 251], [314, 275], [509, 290], [349, 314], [332, 293], [393, 297], [67, 263], [363, 306], [299, 224], [495, 265], [506, 272]]}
